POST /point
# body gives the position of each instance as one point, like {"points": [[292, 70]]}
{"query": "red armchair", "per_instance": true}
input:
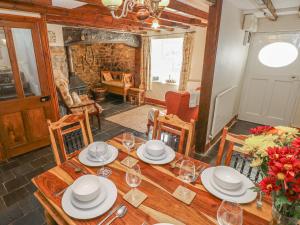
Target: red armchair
{"points": [[177, 103]]}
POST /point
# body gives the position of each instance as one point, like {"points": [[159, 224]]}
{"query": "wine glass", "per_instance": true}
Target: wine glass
{"points": [[187, 172], [230, 213], [128, 142], [134, 177]]}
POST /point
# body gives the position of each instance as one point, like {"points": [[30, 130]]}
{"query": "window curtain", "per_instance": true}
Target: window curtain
{"points": [[188, 43], [145, 72]]}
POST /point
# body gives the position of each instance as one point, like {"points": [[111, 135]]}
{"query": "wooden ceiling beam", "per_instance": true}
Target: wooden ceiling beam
{"points": [[182, 19], [38, 2], [174, 4], [99, 22], [182, 7], [269, 9], [131, 16], [80, 12]]}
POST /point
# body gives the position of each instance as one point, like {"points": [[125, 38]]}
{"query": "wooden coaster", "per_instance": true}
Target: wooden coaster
{"points": [[183, 194], [129, 161], [135, 197]]}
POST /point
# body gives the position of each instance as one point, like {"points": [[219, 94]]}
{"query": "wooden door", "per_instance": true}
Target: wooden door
{"points": [[269, 94], [25, 99]]}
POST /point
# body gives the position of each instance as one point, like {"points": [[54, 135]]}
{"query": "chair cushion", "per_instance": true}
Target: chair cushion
{"points": [[107, 76], [115, 83], [151, 113], [63, 88]]}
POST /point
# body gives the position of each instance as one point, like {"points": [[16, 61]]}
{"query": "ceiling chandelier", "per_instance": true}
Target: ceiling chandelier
{"points": [[144, 8]]}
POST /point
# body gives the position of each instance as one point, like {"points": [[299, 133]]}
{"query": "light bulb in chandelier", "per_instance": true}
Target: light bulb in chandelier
{"points": [[164, 3], [155, 24], [112, 4]]}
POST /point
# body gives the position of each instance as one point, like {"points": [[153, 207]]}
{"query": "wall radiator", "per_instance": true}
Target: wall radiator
{"points": [[223, 110]]}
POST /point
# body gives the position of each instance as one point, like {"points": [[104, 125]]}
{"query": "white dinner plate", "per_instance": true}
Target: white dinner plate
{"points": [[247, 197], [90, 204], [77, 213], [91, 158], [84, 157], [169, 157], [237, 192], [147, 155]]}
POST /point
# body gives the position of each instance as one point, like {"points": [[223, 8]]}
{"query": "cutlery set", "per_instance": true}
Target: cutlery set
{"points": [[119, 211]]}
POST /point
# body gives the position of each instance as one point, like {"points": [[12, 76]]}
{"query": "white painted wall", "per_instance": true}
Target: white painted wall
{"points": [[57, 30], [283, 23], [231, 57]]}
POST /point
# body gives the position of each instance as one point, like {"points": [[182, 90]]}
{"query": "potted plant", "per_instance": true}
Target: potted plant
{"points": [[276, 150]]}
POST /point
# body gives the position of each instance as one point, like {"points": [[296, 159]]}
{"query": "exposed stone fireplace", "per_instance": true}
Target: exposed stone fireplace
{"points": [[89, 60], [94, 50]]}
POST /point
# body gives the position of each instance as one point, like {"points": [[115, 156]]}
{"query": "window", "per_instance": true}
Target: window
{"points": [[278, 54], [166, 59]]}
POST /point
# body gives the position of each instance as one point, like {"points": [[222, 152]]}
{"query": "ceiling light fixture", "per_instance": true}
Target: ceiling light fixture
{"points": [[145, 8], [155, 24]]}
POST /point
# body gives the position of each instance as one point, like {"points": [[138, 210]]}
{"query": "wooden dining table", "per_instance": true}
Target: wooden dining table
{"points": [[158, 183]]}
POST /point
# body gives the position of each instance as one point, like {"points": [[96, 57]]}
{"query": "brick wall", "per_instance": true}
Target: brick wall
{"points": [[59, 60], [89, 60]]}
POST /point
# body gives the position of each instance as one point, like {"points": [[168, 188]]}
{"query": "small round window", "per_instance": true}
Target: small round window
{"points": [[278, 54]]}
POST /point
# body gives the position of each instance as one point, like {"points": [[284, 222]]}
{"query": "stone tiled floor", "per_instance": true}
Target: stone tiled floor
{"points": [[17, 203]]}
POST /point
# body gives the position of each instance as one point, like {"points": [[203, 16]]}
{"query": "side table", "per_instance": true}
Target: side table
{"points": [[136, 96], [99, 94]]}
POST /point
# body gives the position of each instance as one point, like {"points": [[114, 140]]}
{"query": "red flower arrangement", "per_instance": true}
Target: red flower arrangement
{"points": [[261, 130], [268, 184], [296, 143], [281, 171]]}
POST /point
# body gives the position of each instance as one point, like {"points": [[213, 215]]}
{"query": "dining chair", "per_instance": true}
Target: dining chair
{"points": [[69, 135], [170, 128], [230, 153]]}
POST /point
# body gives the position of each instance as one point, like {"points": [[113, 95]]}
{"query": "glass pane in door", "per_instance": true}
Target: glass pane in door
{"points": [[26, 61], [7, 82]]}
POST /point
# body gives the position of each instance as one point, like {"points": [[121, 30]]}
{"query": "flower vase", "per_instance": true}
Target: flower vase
{"points": [[279, 219]]}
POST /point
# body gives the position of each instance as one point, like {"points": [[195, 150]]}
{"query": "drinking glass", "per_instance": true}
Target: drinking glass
{"points": [[134, 177], [128, 142], [230, 213], [187, 172]]}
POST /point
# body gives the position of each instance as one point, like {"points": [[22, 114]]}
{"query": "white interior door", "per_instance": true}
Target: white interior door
{"points": [[269, 94]]}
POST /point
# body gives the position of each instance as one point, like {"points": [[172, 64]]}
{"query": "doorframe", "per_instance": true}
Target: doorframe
{"points": [[44, 64], [42, 36], [210, 55]]}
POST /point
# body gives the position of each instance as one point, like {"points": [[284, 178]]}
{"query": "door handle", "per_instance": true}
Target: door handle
{"points": [[45, 98]]}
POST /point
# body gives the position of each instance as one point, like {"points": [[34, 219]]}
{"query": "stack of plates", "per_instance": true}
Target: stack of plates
{"points": [[228, 184], [156, 152], [89, 197], [98, 154]]}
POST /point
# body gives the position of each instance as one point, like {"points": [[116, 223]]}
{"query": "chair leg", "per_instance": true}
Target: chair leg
{"points": [[99, 121], [148, 129]]}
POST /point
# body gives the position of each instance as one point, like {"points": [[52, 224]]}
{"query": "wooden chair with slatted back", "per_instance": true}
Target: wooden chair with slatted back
{"points": [[69, 135], [174, 127], [231, 154]]}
